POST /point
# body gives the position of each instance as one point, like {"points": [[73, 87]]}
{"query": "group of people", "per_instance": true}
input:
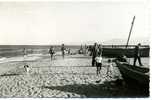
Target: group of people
{"points": [[63, 49], [84, 50], [137, 54], [97, 56], [96, 52]]}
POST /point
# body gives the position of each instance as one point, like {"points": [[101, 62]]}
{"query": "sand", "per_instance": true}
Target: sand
{"points": [[70, 77]]}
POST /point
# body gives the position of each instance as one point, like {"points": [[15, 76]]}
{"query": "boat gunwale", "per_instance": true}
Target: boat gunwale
{"points": [[145, 75]]}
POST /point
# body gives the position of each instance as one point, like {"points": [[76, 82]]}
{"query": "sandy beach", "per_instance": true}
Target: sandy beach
{"points": [[31, 32], [70, 77]]}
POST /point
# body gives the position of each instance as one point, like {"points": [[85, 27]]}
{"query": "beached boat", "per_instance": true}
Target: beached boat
{"points": [[129, 52], [117, 50], [134, 74]]}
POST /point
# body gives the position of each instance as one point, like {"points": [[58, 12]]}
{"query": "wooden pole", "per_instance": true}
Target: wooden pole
{"points": [[130, 31]]}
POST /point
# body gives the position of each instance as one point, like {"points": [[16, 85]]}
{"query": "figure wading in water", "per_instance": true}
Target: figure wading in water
{"points": [[63, 50], [26, 66], [51, 52]]}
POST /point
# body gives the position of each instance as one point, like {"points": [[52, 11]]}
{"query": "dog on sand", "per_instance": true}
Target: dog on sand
{"points": [[27, 68]]}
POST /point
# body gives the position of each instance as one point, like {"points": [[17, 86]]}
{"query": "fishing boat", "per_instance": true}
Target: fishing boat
{"points": [[127, 49], [138, 75], [134, 74], [117, 50]]}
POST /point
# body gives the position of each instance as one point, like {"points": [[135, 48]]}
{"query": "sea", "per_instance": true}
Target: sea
{"points": [[15, 52]]}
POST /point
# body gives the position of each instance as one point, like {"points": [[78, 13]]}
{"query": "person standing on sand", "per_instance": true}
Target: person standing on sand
{"points": [[63, 50], [94, 53], [109, 68], [100, 49], [137, 55], [85, 49], [90, 50], [69, 51], [98, 60], [81, 50], [51, 51]]}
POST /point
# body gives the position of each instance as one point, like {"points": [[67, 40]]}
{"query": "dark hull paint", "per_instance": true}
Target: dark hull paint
{"points": [[115, 52], [134, 75]]}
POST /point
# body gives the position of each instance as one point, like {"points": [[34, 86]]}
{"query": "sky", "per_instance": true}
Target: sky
{"points": [[43, 23]]}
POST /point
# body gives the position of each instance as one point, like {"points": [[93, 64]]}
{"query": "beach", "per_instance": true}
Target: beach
{"points": [[72, 76], [111, 35]]}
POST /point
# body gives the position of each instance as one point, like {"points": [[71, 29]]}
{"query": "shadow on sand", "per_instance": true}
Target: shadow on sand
{"points": [[61, 66], [110, 89], [12, 74], [87, 57]]}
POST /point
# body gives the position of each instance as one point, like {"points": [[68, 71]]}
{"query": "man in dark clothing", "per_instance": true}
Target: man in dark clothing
{"points": [[94, 53], [63, 50], [137, 55], [100, 49]]}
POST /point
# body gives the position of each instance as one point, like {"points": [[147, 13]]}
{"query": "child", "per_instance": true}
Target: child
{"points": [[98, 60], [109, 68]]}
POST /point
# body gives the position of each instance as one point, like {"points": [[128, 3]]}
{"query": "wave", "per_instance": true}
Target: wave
{"points": [[30, 57], [3, 58]]}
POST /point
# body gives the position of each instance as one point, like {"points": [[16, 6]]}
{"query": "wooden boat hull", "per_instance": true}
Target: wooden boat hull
{"points": [[134, 74], [115, 52]]}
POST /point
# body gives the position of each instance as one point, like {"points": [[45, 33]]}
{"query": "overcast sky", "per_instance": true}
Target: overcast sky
{"points": [[70, 22]]}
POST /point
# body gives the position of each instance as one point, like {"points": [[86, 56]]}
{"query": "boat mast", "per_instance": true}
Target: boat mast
{"points": [[130, 30]]}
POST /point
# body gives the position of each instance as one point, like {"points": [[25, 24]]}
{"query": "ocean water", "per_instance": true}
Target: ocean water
{"points": [[10, 53], [17, 50]]}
